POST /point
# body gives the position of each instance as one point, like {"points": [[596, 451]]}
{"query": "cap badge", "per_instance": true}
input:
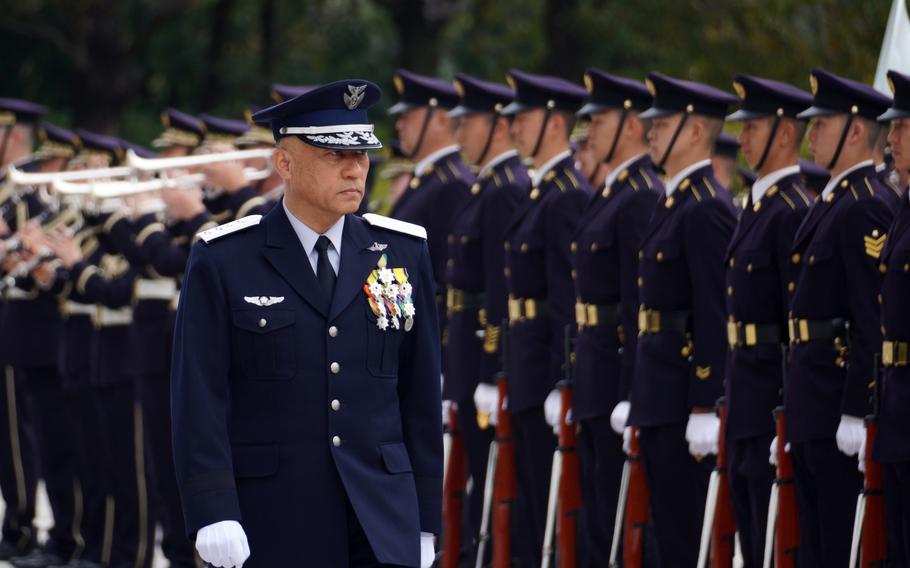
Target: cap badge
{"points": [[740, 90], [813, 84], [354, 96], [651, 89]]}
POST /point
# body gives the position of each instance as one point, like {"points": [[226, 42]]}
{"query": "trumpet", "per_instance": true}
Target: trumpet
{"points": [[182, 162], [25, 179]]}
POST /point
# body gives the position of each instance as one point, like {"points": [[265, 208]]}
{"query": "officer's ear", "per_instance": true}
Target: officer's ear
{"points": [[281, 160]]}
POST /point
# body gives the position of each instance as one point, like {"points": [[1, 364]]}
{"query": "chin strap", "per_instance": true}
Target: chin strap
{"points": [[486, 147], [597, 168], [767, 150], [622, 122], [840, 143], [423, 128], [682, 123], [543, 127]]}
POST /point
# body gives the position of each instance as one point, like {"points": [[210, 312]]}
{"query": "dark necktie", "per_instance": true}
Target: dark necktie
{"points": [[324, 272]]}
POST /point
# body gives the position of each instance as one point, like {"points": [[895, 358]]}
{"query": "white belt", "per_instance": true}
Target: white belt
{"points": [[19, 294], [106, 317], [157, 289], [71, 308]]}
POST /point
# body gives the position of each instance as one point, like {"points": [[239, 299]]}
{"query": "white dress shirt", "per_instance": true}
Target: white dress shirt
{"points": [[308, 238], [764, 183], [683, 174], [548, 165]]}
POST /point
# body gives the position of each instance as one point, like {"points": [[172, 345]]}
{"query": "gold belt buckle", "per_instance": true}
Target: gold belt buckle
{"points": [[791, 330], [580, 314], [887, 353], [900, 358], [804, 330], [450, 298], [653, 321], [751, 334], [592, 315], [530, 308], [514, 310], [642, 321], [732, 336]]}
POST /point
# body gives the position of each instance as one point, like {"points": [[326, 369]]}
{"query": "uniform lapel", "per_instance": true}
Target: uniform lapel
{"points": [[356, 263], [285, 253]]}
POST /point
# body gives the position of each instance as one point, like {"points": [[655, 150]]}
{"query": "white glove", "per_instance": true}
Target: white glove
{"points": [[223, 544], [427, 550], [850, 434], [486, 401], [627, 440], [620, 416], [446, 405], [772, 457], [862, 456], [551, 409], [701, 433]]}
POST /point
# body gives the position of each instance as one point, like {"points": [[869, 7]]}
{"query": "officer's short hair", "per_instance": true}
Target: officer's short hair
{"points": [[713, 126]]}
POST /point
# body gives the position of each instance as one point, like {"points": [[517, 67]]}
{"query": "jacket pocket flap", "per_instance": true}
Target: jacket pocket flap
{"points": [[263, 320], [395, 457]]}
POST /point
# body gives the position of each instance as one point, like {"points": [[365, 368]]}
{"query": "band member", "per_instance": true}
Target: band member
{"points": [[681, 348], [305, 381]]}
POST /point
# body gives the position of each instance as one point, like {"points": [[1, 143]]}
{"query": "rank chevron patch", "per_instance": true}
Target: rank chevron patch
{"points": [[874, 244]]}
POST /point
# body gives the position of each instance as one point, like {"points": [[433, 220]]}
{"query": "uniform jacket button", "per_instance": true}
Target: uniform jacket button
{"points": [[336, 405], [262, 322], [335, 367], [336, 441], [333, 331]]}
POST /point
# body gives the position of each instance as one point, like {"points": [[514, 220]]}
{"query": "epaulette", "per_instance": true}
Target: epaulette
{"points": [[395, 225], [228, 228], [783, 195]]}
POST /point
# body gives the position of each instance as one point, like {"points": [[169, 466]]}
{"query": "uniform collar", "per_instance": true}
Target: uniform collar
{"points": [[424, 164], [674, 181], [308, 236], [549, 165], [614, 173], [764, 183], [832, 183], [496, 161], [881, 167]]}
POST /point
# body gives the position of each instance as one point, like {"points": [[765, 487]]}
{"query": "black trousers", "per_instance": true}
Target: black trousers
{"points": [[750, 476], [18, 462], [827, 484], [154, 392], [53, 415], [534, 446], [678, 486], [601, 459], [896, 481]]}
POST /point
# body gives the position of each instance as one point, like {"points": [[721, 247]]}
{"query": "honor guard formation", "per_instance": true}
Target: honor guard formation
{"points": [[218, 349]]}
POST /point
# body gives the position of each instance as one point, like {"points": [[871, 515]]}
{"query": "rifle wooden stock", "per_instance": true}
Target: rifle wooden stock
{"points": [[873, 548], [786, 527], [569, 486], [637, 508], [504, 484], [453, 494], [723, 529]]}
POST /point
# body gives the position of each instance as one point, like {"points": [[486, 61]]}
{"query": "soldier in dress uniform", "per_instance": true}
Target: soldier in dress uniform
{"points": [[539, 283], [834, 323], [681, 347], [182, 134], [475, 294], [892, 443], [726, 149], [24, 343], [605, 260], [758, 274], [305, 381], [441, 179]]}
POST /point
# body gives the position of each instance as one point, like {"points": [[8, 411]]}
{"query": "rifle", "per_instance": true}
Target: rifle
{"points": [[453, 493], [869, 537], [566, 478], [504, 476], [637, 507], [782, 536], [719, 527]]}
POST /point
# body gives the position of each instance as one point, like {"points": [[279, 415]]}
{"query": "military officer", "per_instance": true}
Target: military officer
{"points": [[834, 328], [475, 294], [892, 444], [758, 274], [182, 134], [681, 348], [441, 179], [605, 260], [305, 381], [539, 283], [23, 342]]}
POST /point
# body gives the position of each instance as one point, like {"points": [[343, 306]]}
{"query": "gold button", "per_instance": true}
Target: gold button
{"points": [[795, 258], [685, 351], [524, 247], [670, 202], [336, 441], [844, 183], [605, 193], [535, 193], [729, 290], [641, 255], [791, 286], [812, 259], [907, 268], [506, 246], [464, 239], [883, 268], [506, 272], [414, 183], [573, 246], [336, 405], [749, 267], [593, 247], [879, 298], [757, 207], [262, 322], [660, 256], [333, 331], [874, 232], [450, 263], [685, 184], [732, 262], [475, 189], [451, 239], [574, 274], [641, 281], [335, 367]]}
